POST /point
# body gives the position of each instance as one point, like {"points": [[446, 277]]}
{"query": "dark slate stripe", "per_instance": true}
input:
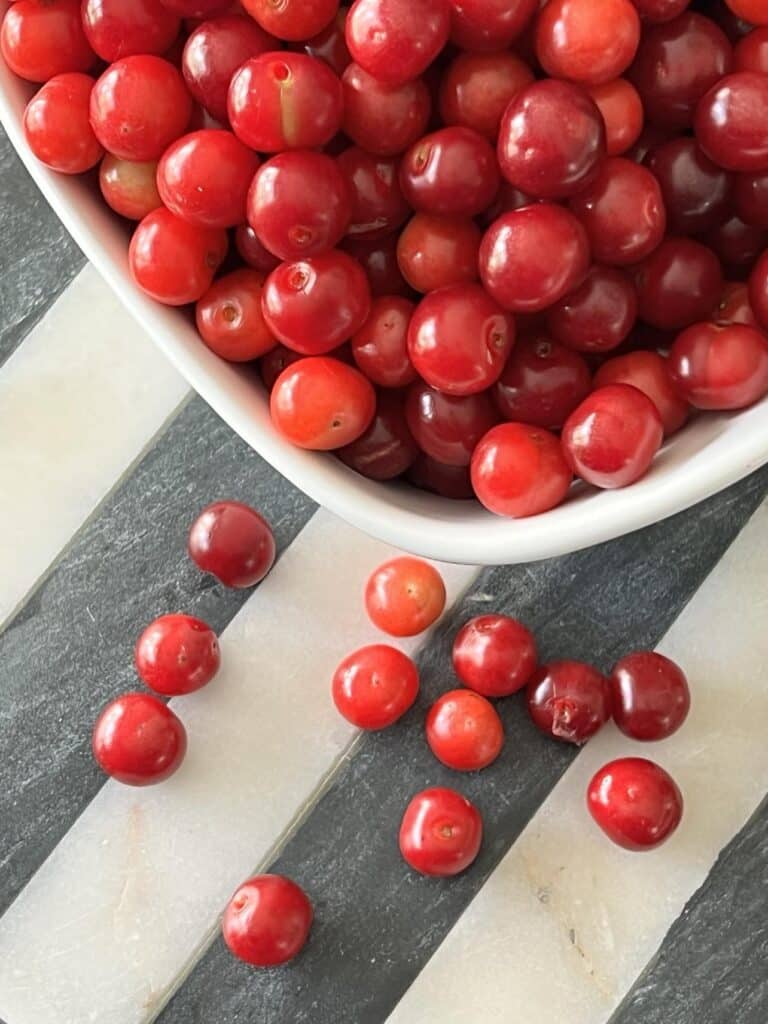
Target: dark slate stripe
{"points": [[377, 923], [38, 259], [713, 965], [69, 650]]}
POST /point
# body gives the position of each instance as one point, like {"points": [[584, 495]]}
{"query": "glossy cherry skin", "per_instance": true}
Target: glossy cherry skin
{"points": [[651, 699], [441, 833], [753, 11], [435, 251], [676, 64], [531, 257], [387, 449], [734, 306], [380, 347], [174, 261], [383, 119], [405, 596], [138, 740], [446, 427], [395, 40], [129, 187], [230, 320], [569, 700], [720, 366], [378, 204], [459, 339], [177, 654], [321, 403], [121, 28], [453, 171], [758, 290], [57, 125], [656, 11], [536, 155], [751, 52], [378, 258], [476, 89], [43, 38], [139, 107], [485, 26], [695, 190], [519, 471], [292, 220], [649, 372], [464, 731], [452, 482], [494, 655], [267, 921], [598, 315], [750, 198], [622, 111], [375, 686], [232, 542], [590, 41], [736, 244], [330, 44], [542, 383], [635, 802], [622, 211], [283, 100], [314, 305], [678, 284], [292, 20], [730, 122], [196, 10], [252, 251]]}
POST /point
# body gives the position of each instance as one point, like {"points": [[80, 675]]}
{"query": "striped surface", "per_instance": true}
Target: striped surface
{"points": [[110, 897]]}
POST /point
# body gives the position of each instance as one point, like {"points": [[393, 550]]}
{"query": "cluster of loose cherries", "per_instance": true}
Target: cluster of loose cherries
{"points": [[139, 740], [486, 244]]}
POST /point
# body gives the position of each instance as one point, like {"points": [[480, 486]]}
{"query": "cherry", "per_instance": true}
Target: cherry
{"points": [[43, 38], [314, 305], [678, 284], [622, 211], [448, 481], [434, 251], [696, 191], [380, 347], [489, 25], [138, 740], [274, 362], [139, 107], [531, 257], [649, 372], [720, 366], [446, 427], [378, 258], [730, 122], [519, 470], [387, 449], [330, 45], [598, 315], [736, 244], [734, 306], [174, 261], [230, 319], [292, 20], [751, 52], [441, 833], [476, 89], [758, 290], [232, 542], [622, 110], [752, 11], [459, 339], [285, 100], [395, 40], [508, 198], [569, 700], [130, 188], [267, 921], [542, 383], [375, 686], [750, 198], [494, 655], [383, 119], [650, 696], [122, 28], [294, 221], [378, 205], [321, 403], [589, 41], [660, 10], [635, 802], [451, 171], [536, 155], [196, 10], [177, 654], [57, 126], [252, 252], [464, 731], [405, 596]]}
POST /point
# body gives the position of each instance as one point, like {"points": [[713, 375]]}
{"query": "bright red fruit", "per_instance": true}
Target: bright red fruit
{"points": [[138, 740], [598, 315], [177, 654], [253, 252], [395, 40], [464, 731], [453, 171], [441, 833], [751, 52], [43, 38], [174, 261], [635, 802], [494, 655], [267, 921], [650, 696], [375, 686], [380, 347], [405, 596], [753, 11], [232, 542], [129, 187], [447, 427], [230, 319], [122, 28], [378, 204], [434, 251], [383, 119], [489, 25], [622, 110], [292, 20], [720, 366], [477, 87], [650, 373], [569, 700], [589, 41], [730, 122], [542, 383], [734, 306], [57, 125]]}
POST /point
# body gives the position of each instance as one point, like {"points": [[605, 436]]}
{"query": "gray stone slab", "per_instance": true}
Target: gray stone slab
{"points": [[70, 648], [377, 923]]}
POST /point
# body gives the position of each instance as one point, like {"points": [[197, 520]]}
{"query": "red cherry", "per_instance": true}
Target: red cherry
{"points": [[453, 171], [750, 198], [435, 251], [489, 25], [57, 125], [330, 44], [138, 740], [542, 383], [378, 258], [267, 921], [695, 191], [177, 654], [734, 306], [736, 244], [405, 596], [730, 122], [380, 347], [649, 372], [635, 802], [383, 119], [174, 261], [477, 88], [678, 284], [598, 315], [232, 542], [749, 10], [43, 38], [274, 362], [441, 833], [395, 40], [494, 655], [464, 731], [122, 28], [720, 366], [375, 686], [751, 52], [650, 696], [378, 204], [758, 290], [230, 319], [387, 448], [252, 251], [569, 700], [448, 481], [589, 41], [292, 20], [622, 110], [448, 427], [660, 10], [129, 187]]}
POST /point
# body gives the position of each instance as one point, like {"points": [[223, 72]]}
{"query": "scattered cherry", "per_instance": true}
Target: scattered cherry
{"points": [[267, 921], [494, 655], [405, 596], [635, 802], [177, 654], [441, 833], [138, 740], [375, 686], [650, 696], [569, 700], [232, 542], [464, 731]]}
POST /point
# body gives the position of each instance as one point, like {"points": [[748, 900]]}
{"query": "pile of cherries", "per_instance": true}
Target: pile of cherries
{"points": [[485, 244], [139, 740]]}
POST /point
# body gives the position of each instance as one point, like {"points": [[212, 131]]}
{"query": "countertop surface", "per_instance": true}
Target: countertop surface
{"points": [[110, 897]]}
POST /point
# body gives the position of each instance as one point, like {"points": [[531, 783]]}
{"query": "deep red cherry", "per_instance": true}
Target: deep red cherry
{"points": [[695, 191], [436, 477], [447, 427], [678, 284], [589, 41], [330, 45], [542, 383], [635, 802], [375, 686], [395, 40], [383, 119], [232, 542], [734, 306], [622, 110], [494, 655], [660, 10], [387, 449], [737, 245], [650, 696], [378, 204], [464, 731], [720, 366], [435, 251], [252, 251], [378, 258], [751, 52], [758, 290], [569, 700], [598, 315], [452, 171], [477, 87], [484, 26], [650, 373], [177, 654], [441, 833], [267, 921], [750, 198], [730, 122], [380, 347], [138, 740]]}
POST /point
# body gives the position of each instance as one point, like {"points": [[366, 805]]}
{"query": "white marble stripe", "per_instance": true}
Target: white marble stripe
{"points": [[131, 896], [568, 920], [79, 400]]}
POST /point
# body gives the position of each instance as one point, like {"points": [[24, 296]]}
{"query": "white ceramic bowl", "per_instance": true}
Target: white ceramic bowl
{"points": [[712, 452]]}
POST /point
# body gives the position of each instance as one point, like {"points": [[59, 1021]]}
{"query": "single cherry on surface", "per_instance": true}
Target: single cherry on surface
{"points": [[569, 700], [267, 921], [494, 655], [635, 802], [375, 686], [441, 833], [651, 698], [177, 654], [232, 542], [464, 731], [138, 740], [405, 596]]}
